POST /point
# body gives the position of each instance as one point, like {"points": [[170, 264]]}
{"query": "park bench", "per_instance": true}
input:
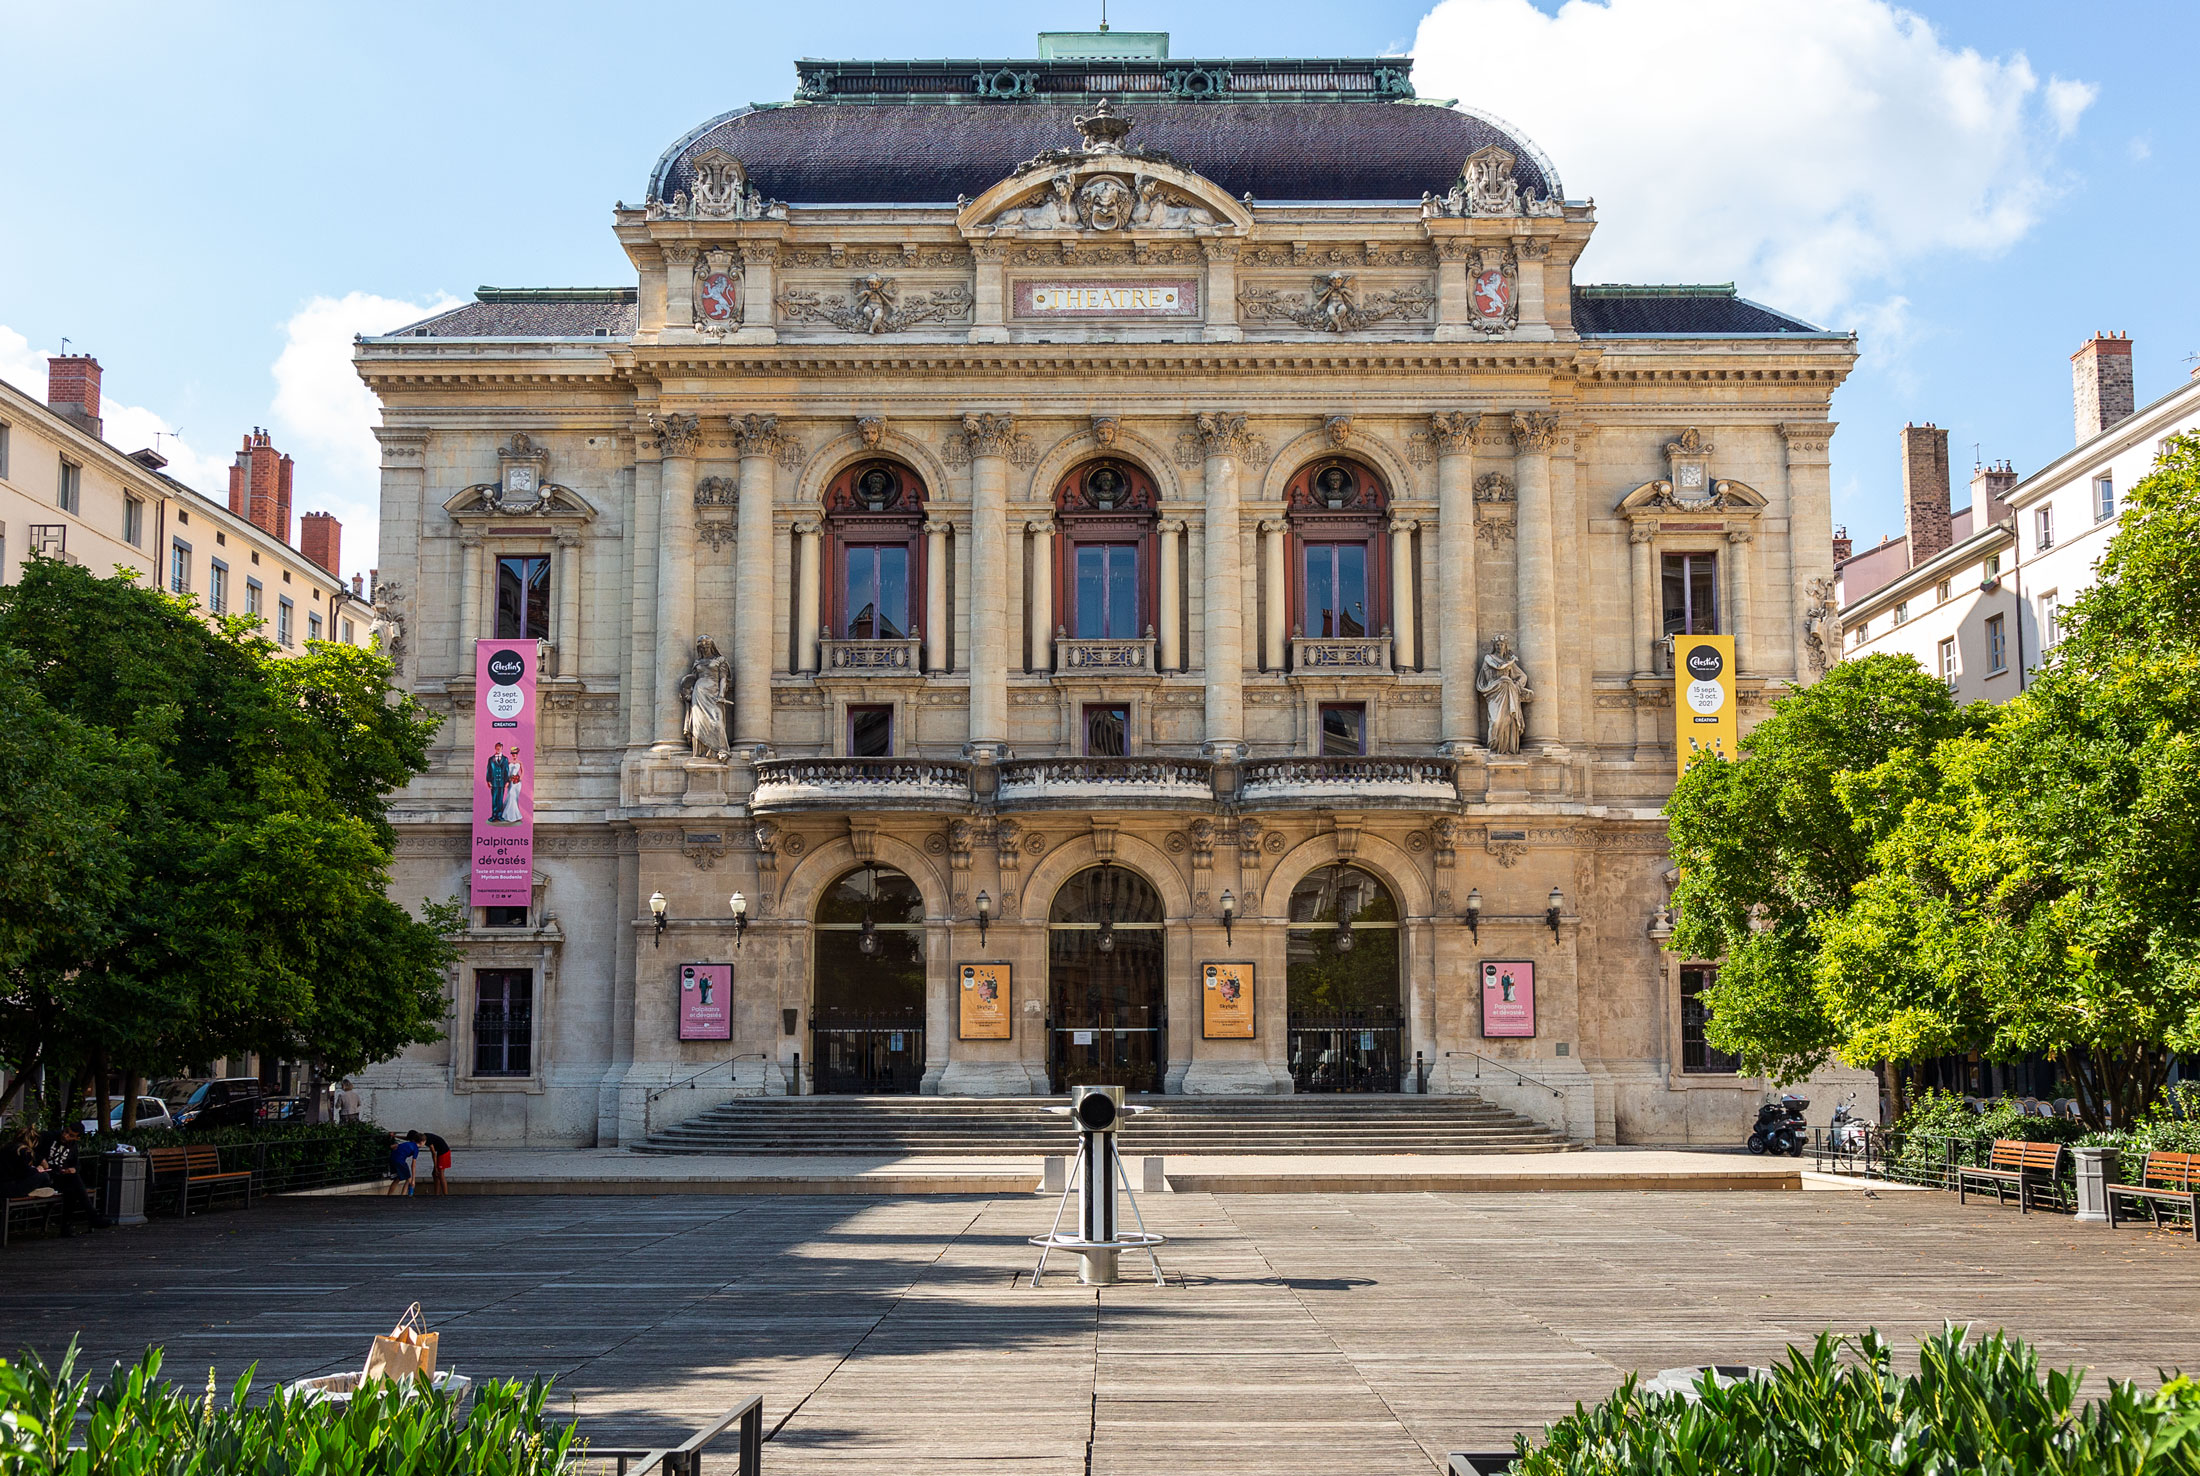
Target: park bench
{"points": [[2167, 1179], [2013, 1161], [39, 1211], [186, 1169]]}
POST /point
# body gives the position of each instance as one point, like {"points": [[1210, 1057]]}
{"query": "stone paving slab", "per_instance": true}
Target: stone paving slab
{"points": [[1361, 1333]]}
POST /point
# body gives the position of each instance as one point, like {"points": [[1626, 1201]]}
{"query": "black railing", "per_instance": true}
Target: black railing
{"points": [[1929, 1160], [1344, 1050], [1506, 1068], [693, 1083], [868, 1053], [686, 1458], [504, 1042]]}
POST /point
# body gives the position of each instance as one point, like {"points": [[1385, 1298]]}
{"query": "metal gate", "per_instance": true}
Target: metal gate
{"points": [[867, 1053], [1344, 1051]]}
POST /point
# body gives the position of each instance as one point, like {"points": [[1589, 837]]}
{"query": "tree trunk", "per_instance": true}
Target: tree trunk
{"points": [[23, 1080], [131, 1086], [99, 1083]]}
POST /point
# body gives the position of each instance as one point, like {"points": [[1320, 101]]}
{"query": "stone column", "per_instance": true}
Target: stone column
{"points": [[1274, 629], [680, 288], [1401, 592], [1737, 599], [989, 304], [1810, 541], [639, 658], [1223, 439], [1643, 577], [1219, 311], [473, 621], [808, 612], [679, 437], [1452, 315], [1171, 653], [1452, 433], [935, 593], [759, 261], [990, 438], [568, 643], [760, 443], [1534, 435], [1529, 253], [1040, 601]]}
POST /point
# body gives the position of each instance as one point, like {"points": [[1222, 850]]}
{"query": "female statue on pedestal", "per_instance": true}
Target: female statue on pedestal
{"points": [[1504, 683], [704, 690]]}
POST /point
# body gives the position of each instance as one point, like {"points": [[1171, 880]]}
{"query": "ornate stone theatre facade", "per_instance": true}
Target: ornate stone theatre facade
{"points": [[1102, 519]]}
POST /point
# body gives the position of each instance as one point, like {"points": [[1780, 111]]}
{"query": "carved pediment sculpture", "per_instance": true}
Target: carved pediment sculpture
{"points": [[1486, 188], [1335, 305], [522, 489], [874, 305], [1103, 187], [719, 189]]}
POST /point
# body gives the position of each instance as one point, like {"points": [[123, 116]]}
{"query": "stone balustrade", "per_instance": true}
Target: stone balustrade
{"points": [[1328, 654], [1114, 656], [1370, 782], [870, 658], [865, 783], [1107, 783]]}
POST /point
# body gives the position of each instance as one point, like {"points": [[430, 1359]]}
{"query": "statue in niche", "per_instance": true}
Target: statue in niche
{"points": [[1503, 684], [704, 691]]}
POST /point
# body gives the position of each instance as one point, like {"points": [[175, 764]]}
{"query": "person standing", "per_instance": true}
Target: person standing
{"points": [[347, 1101], [62, 1169], [404, 1154], [439, 1154]]}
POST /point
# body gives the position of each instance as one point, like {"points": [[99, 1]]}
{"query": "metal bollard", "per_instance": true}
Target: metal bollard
{"points": [[1154, 1181], [1097, 1241], [1054, 1176]]}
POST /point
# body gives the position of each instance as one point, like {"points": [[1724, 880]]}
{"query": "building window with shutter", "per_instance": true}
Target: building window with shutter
{"points": [[217, 587], [2104, 498], [1997, 646], [285, 618], [2050, 620], [1948, 662], [133, 521], [69, 494], [179, 567], [2043, 529], [254, 598], [1698, 1056], [313, 626]]}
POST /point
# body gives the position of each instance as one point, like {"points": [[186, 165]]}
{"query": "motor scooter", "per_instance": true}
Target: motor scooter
{"points": [[1780, 1127], [1845, 1134]]}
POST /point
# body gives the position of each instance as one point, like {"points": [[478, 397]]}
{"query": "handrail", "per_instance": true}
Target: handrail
{"points": [[651, 1100], [1517, 1073], [686, 1458]]}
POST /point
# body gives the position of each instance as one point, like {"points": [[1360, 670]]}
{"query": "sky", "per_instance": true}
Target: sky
{"points": [[212, 199]]}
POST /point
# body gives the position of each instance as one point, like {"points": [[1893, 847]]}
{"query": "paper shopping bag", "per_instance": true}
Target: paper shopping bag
{"points": [[404, 1351]]}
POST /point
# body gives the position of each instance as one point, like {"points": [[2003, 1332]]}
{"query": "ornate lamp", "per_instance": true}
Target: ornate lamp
{"points": [[1344, 940], [1558, 901], [1229, 914], [1474, 913], [657, 911], [867, 943], [985, 915], [740, 906]]}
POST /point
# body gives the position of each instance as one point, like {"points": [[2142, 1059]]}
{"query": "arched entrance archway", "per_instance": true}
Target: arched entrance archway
{"points": [[867, 1004], [1107, 1020], [1344, 1021]]}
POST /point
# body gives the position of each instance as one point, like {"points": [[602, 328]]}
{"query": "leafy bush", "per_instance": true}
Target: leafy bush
{"points": [[1971, 1407], [1920, 1148], [285, 1155], [139, 1426]]}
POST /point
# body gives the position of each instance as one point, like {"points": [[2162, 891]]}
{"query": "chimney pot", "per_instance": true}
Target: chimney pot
{"points": [[2101, 391], [1925, 511], [72, 390]]}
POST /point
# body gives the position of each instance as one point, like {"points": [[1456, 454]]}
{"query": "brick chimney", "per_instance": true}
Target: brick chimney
{"points": [[259, 485], [1925, 490], [72, 390], [319, 534], [1991, 485], [2100, 383], [1843, 545]]}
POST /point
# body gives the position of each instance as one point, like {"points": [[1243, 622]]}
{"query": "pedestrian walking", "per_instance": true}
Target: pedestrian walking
{"points": [[347, 1101], [61, 1161], [404, 1155], [439, 1154]]}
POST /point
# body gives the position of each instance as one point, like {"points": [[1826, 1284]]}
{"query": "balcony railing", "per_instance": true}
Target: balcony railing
{"points": [[1339, 654], [870, 783], [1105, 783], [1111, 656], [1349, 781], [865, 657]]}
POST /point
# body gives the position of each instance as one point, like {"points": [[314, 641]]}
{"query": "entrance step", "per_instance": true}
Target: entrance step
{"points": [[840, 1126]]}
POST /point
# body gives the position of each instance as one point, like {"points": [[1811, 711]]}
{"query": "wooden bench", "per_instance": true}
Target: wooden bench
{"points": [[41, 1210], [2167, 1179], [2013, 1161], [186, 1169]]}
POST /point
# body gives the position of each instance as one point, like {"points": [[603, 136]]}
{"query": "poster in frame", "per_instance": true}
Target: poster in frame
{"points": [[706, 1001], [982, 1002], [1226, 1001], [1508, 999]]}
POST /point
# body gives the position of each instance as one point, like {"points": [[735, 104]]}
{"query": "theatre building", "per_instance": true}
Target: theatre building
{"points": [[1099, 567]]}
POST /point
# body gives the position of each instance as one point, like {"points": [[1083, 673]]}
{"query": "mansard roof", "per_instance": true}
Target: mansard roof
{"points": [[1665, 312], [879, 153], [533, 312]]}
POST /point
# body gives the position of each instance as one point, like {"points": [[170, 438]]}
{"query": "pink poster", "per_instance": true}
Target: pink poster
{"points": [[706, 1001], [504, 772], [1508, 999]]}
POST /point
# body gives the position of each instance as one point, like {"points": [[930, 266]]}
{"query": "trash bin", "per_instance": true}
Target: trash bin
{"points": [[122, 1189]]}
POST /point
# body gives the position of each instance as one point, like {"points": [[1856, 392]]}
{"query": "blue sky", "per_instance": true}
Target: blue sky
{"points": [[212, 198]]}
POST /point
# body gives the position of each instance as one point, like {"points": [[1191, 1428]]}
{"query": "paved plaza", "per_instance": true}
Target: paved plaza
{"points": [[1341, 1333]]}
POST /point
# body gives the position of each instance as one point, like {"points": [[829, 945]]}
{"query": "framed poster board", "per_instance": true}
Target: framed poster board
{"points": [[1226, 1001], [982, 999], [1508, 998], [706, 1001]]}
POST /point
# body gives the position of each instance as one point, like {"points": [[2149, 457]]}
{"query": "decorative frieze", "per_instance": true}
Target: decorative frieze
{"points": [[874, 305], [1336, 304]]}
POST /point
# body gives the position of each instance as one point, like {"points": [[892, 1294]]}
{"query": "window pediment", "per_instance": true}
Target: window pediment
{"points": [[1120, 194]]}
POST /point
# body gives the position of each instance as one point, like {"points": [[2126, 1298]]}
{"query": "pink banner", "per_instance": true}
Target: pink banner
{"points": [[504, 772], [1508, 999], [706, 1001]]}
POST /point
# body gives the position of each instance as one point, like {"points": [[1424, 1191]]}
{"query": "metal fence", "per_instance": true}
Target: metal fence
{"points": [[686, 1458], [1929, 1160]]}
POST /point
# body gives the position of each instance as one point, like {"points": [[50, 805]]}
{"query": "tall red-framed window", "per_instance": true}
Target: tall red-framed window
{"points": [[1104, 550], [874, 552], [1338, 580]]}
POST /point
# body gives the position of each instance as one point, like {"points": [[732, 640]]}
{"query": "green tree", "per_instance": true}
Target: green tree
{"points": [[1767, 846], [253, 863]]}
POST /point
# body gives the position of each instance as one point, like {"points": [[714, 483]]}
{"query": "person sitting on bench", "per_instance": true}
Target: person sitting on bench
{"points": [[61, 1168]]}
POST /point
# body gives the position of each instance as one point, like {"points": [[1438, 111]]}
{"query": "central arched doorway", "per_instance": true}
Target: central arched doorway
{"points": [[1344, 1022], [867, 1012], [1106, 1018]]}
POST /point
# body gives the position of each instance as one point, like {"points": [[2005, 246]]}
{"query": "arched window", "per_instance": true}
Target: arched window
{"points": [[1344, 1015], [1104, 559], [1339, 584], [874, 528]]}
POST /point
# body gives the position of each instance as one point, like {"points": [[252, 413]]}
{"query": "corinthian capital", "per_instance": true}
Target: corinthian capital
{"points": [[1453, 431], [990, 435], [1220, 433], [677, 435], [1534, 432]]}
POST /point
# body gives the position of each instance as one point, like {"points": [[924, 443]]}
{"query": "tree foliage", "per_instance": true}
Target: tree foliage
{"points": [[226, 877]]}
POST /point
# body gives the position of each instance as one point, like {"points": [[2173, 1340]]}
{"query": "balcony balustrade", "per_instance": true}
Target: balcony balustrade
{"points": [[860, 783], [1105, 656], [870, 658], [1105, 783], [1356, 783], [1339, 655]]}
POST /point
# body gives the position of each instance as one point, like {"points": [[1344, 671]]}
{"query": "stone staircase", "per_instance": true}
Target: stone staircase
{"points": [[1022, 1127]]}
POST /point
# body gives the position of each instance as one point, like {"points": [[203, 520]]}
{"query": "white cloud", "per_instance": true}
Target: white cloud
{"points": [[324, 415], [129, 427], [1808, 149]]}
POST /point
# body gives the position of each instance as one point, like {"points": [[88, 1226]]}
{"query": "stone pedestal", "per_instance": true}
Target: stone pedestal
{"points": [[2096, 1171]]}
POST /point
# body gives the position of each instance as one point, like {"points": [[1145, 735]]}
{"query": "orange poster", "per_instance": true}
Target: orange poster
{"points": [[1226, 1001], [982, 1001], [1705, 704]]}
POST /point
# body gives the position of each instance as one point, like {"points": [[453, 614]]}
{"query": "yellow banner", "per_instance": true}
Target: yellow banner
{"points": [[982, 1002], [1226, 1001], [1706, 709]]}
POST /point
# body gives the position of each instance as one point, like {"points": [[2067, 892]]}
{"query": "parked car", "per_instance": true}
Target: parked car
{"points": [[283, 1109], [152, 1112], [230, 1101]]}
